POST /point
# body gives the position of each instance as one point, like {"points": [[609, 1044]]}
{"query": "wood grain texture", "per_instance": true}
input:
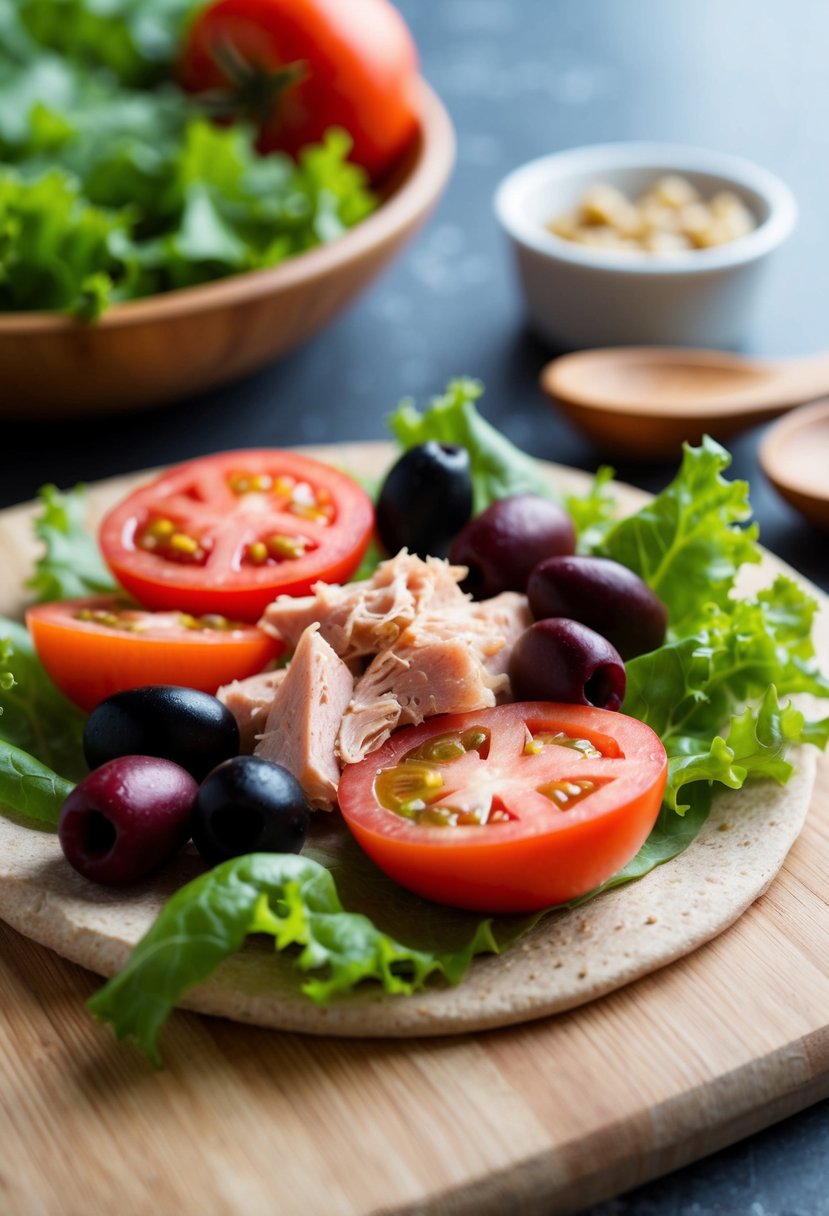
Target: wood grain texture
{"points": [[644, 402], [158, 350], [543, 1118]]}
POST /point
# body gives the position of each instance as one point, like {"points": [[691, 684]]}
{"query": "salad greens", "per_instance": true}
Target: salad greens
{"points": [[722, 653], [113, 184], [34, 716], [71, 565], [498, 468], [40, 732], [292, 899], [685, 544], [715, 693]]}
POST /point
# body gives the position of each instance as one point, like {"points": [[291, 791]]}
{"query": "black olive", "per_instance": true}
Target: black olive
{"points": [[249, 805], [426, 498], [188, 727]]}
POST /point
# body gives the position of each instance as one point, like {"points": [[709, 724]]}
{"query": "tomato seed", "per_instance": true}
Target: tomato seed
{"points": [[565, 794], [282, 547]]}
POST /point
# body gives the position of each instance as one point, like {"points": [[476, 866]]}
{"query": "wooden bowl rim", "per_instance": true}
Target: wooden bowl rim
{"points": [[778, 472], [432, 162]]}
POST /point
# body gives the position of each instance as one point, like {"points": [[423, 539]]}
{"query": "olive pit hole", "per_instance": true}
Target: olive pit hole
{"points": [[600, 690], [100, 835]]}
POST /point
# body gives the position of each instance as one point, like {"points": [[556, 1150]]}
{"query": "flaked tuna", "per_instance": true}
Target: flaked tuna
{"points": [[507, 615], [305, 718], [362, 619], [438, 665], [250, 701]]}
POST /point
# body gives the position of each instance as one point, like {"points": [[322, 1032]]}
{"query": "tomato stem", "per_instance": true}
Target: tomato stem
{"points": [[253, 90]]}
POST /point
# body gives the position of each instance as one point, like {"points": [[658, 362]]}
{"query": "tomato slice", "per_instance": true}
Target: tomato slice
{"points": [[92, 648], [511, 809], [227, 533]]}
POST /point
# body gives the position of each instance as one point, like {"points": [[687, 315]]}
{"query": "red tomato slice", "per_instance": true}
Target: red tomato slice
{"points": [[228, 533], [352, 65], [92, 648], [539, 803]]}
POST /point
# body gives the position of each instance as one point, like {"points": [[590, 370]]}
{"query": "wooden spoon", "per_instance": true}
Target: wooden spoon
{"points": [[643, 401], [794, 455]]}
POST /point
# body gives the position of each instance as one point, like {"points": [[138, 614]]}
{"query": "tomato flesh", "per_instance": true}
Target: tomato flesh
{"points": [[555, 801], [353, 65], [228, 533], [92, 648]]}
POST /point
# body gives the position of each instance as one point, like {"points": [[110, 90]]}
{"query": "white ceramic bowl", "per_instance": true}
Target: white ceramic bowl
{"points": [[578, 296]]}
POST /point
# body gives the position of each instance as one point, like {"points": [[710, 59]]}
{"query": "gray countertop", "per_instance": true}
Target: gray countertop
{"points": [[521, 78]]}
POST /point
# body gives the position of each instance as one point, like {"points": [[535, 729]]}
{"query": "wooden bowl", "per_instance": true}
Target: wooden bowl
{"points": [[794, 455], [166, 347]]}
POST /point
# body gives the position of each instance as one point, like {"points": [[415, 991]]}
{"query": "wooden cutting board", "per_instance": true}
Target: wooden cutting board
{"points": [[542, 1118]]}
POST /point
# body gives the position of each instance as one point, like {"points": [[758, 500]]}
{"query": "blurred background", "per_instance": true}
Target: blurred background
{"points": [[521, 79]]}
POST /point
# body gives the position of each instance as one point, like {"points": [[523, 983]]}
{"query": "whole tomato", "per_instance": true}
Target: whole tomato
{"points": [[298, 67]]}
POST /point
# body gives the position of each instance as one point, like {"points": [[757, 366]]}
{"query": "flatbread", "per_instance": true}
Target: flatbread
{"points": [[569, 958]]}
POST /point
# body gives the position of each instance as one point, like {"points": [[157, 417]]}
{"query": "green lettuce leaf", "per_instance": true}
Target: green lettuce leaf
{"points": [[593, 513], [134, 39], [71, 565], [35, 718], [115, 186], [55, 249], [499, 469], [31, 789], [293, 900], [687, 543]]}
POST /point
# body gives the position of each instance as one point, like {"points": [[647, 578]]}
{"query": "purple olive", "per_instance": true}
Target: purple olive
{"points": [[127, 818], [602, 594], [561, 660], [501, 546]]}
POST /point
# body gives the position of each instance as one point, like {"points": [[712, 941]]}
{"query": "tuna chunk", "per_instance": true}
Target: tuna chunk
{"points": [[508, 615], [361, 619], [305, 718], [438, 665], [249, 701]]}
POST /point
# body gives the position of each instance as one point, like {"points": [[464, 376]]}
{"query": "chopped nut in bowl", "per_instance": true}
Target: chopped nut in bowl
{"points": [[671, 216], [642, 243]]}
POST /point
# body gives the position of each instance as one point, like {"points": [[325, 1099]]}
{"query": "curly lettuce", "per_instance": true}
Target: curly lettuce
{"points": [[115, 186], [498, 467], [70, 565], [293, 900], [40, 732]]}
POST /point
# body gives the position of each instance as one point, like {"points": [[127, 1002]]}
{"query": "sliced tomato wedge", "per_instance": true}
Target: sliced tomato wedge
{"points": [[511, 809], [92, 648], [227, 533]]}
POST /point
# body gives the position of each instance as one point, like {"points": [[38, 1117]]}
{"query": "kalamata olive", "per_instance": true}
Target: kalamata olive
{"points": [[191, 728], [503, 544], [561, 660], [127, 818], [602, 594], [425, 500], [249, 805]]}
